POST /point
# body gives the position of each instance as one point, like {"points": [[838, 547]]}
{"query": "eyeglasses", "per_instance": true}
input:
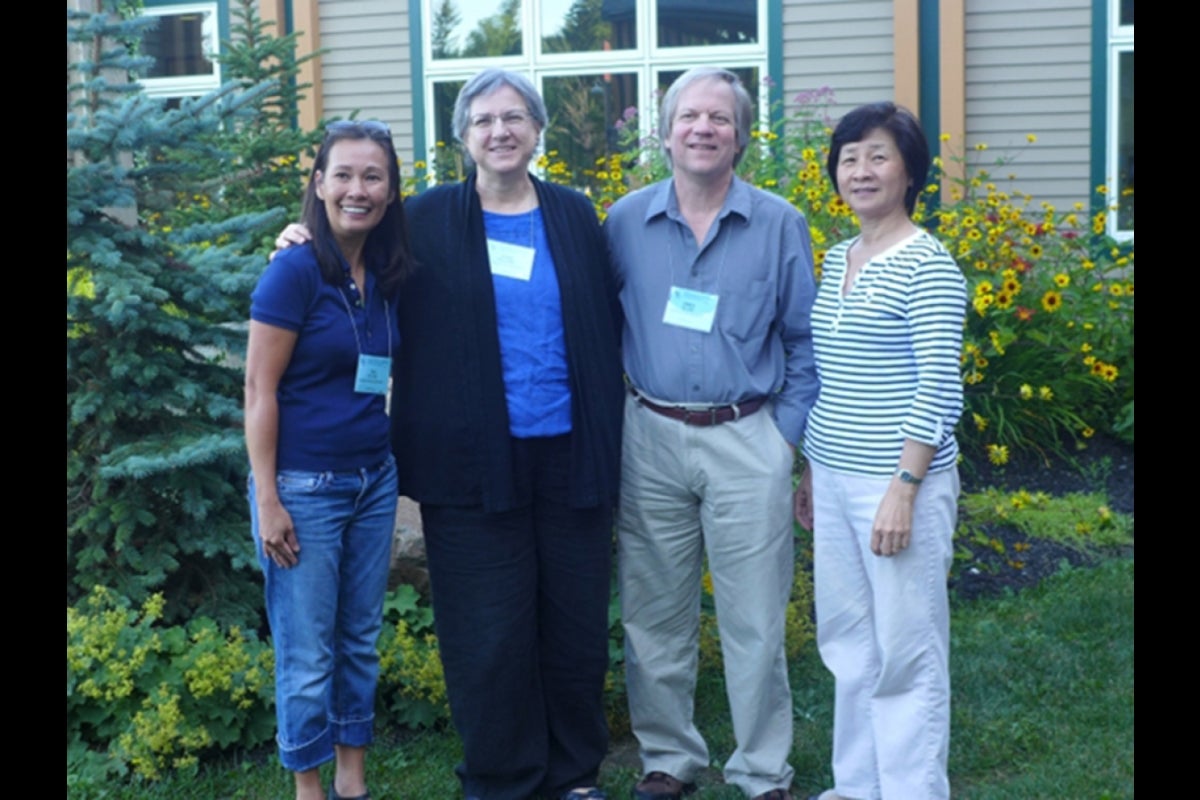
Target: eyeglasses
{"points": [[509, 119], [371, 127]]}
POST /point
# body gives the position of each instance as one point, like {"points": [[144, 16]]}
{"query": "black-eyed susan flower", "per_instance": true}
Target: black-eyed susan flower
{"points": [[1052, 301], [1062, 280], [998, 454]]}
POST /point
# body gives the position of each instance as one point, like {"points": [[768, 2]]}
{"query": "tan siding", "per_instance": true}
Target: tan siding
{"points": [[368, 67], [843, 44], [1028, 71]]}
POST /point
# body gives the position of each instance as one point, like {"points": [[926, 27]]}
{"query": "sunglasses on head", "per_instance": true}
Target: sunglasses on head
{"points": [[371, 127]]}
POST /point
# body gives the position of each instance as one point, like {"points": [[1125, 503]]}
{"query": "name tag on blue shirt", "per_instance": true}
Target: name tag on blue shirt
{"points": [[510, 260], [372, 375], [687, 308]]}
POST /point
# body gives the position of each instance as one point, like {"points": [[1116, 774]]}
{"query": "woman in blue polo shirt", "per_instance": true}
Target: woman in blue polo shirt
{"points": [[323, 484]]}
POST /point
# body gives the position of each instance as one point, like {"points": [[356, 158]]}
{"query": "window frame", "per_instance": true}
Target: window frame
{"points": [[210, 41], [647, 60], [1120, 41]]}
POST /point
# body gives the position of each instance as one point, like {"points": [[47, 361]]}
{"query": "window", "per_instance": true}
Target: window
{"points": [[592, 60], [182, 45], [1119, 166]]}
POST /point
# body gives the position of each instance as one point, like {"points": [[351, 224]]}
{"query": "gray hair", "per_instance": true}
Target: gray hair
{"points": [[743, 106], [487, 82]]}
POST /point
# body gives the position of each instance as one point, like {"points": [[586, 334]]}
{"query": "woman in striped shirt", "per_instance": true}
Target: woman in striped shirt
{"points": [[881, 484]]}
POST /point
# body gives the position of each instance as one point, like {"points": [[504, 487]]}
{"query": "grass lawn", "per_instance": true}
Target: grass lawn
{"points": [[1043, 708]]}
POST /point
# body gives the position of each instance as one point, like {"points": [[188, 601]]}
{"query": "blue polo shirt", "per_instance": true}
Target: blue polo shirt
{"points": [[324, 424]]}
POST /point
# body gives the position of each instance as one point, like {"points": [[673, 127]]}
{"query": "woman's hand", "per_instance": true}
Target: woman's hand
{"points": [[293, 234], [802, 501], [892, 530], [279, 542]]}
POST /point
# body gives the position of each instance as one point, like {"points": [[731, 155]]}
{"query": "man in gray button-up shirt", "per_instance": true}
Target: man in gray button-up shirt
{"points": [[716, 282]]}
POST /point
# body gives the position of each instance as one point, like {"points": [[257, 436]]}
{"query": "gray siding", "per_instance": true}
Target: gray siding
{"points": [[368, 66], [1028, 70], [843, 44]]}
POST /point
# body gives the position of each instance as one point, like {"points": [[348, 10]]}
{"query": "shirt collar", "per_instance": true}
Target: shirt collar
{"points": [[663, 201]]}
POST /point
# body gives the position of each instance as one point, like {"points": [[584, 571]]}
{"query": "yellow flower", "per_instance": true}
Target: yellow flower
{"points": [[945, 137], [1085, 348], [1088, 433], [1046, 393], [1062, 280], [1109, 373], [1031, 137], [1035, 251], [1116, 289], [981, 423], [1052, 300], [1026, 391], [998, 454], [982, 288], [981, 147]]}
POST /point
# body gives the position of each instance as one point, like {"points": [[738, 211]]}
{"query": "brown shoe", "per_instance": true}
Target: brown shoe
{"points": [[661, 786], [774, 794]]}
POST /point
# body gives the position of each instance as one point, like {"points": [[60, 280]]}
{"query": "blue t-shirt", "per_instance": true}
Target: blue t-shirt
{"points": [[324, 424], [533, 351]]}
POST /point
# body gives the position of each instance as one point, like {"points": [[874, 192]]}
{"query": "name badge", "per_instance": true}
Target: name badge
{"points": [[372, 375], [687, 308], [510, 260]]}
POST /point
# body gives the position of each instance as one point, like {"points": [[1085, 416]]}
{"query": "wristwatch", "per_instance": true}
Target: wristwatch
{"points": [[907, 477]]}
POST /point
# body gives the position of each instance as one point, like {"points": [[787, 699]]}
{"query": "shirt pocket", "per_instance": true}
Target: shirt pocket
{"points": [[748, 310]]}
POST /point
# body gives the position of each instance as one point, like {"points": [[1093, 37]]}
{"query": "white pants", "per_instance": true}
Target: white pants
{"points": [[724, 490], [883, 629]]}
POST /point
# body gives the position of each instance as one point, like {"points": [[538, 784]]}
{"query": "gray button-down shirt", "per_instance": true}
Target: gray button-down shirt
{"points": [[757, 258]]}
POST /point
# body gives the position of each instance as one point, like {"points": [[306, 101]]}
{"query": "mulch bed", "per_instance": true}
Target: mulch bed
{"points": [[1106, 461]]}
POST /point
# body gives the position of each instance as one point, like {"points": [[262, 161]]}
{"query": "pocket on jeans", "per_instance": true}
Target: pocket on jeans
{"points": [[299, 482]]}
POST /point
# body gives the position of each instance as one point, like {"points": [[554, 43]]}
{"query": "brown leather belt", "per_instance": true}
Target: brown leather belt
{"points": [[703, 417]]}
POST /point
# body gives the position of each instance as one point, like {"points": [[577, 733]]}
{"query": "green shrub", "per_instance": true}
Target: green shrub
{"points": [[412, 688], [144, 698]]}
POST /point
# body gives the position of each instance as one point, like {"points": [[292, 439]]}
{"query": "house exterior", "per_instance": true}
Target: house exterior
{"points": [[992, 72]]}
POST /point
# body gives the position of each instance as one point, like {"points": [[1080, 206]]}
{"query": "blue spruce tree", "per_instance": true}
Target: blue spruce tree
{"points": [[155, 313]]}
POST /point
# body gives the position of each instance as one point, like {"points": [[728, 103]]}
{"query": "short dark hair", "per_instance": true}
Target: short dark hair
{"points": [[387, 250], [903, 126], [743, 106]]}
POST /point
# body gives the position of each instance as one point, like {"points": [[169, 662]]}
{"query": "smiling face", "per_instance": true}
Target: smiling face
{"points": [[703, 139], [354, 187], [501, 134], [871, 176]]}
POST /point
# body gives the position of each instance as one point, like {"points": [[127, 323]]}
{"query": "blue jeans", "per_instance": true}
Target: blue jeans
{"points": [[326, 612]]}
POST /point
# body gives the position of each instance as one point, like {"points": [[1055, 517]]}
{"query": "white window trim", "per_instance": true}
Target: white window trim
{"points": [[647, 60], [188, 85], [1120, 40]]}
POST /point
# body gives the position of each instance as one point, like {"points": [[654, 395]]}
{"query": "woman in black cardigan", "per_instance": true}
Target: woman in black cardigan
{"points": [[506, 429]]}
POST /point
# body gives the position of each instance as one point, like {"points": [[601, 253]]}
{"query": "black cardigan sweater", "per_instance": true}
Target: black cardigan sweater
{"points": [[449, 415]]}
